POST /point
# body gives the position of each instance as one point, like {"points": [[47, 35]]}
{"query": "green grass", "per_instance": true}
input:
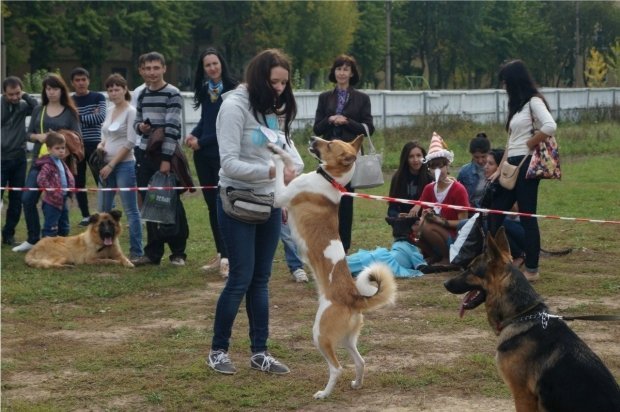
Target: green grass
{"points": [[110, 338]]}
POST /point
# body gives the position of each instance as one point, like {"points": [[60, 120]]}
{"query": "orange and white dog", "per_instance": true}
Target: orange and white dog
{"points": [[312, 201]]}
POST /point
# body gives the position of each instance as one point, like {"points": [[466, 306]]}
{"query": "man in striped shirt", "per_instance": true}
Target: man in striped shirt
{"points": [[92, 108], [159, 106]]}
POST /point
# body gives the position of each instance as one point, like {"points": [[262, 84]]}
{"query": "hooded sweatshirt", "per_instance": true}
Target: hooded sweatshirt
{"points": [[244, 156]]}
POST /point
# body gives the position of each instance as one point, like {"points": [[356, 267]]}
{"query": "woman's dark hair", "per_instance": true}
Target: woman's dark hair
{"points": [[55, 81], [480, 143], [200, 89], [497, 155], [341, 60], [520, 87], [263, 98], [399, 181], [116, 79]]}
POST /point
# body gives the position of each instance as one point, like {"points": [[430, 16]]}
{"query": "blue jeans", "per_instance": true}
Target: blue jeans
{"points": [[56, 220], [13, 174], [124, 175], [290, 249], [525, 193], [251, 249], [29, 203]]}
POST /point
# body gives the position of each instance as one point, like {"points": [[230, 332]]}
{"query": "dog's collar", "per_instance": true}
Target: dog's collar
{"points": [[543, 315], [102, 247], [330, 179]]}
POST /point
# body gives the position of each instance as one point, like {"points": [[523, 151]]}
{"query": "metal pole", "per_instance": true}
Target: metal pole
{"points": [[388, 57]]}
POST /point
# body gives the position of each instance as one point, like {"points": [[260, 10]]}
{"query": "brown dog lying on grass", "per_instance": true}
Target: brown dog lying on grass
{"points": [[97, 245]]}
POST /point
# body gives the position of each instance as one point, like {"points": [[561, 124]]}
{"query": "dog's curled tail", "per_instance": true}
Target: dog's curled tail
{"points": [[376, 286]]}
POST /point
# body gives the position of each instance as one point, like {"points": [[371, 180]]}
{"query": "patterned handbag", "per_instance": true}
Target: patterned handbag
{"points": [[545, 163]]}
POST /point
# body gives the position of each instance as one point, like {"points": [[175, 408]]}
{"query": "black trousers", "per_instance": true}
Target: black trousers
{"points": [[345, 219], [155, 243], [80, 178], [208, 170]]}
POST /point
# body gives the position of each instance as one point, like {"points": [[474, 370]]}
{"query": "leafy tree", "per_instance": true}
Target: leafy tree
{"points": [[613, 62], [596, 69]]}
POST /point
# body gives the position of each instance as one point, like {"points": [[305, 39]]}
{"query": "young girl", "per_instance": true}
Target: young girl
{"points": [[410, 178], [54, 173], [245, 124], [437, 228]]}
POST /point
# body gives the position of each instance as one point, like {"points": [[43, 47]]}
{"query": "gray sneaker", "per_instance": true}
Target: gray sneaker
{"points": [[300, 276], [263, 361], [219, 361]]}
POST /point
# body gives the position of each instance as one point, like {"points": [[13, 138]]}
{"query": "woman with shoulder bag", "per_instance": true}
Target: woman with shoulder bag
{"points": [[247, 121], [525, 103], [341, 114], [57, 112]]}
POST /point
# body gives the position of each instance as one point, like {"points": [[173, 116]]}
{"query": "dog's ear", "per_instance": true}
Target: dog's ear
{"points": [[502, 241], [492, 251], [357, 143], [116, 214], [94, 218]]}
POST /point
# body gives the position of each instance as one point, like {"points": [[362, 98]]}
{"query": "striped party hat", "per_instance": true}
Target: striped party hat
{"points": [[438, 148]]}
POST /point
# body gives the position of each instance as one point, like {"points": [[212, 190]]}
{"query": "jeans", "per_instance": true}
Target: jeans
{"points": [[525, 193], [208, 175], [80, 177], [29, 203], [56, 220], [124, 175], [290, 249], [13, 174], [251, 249]]}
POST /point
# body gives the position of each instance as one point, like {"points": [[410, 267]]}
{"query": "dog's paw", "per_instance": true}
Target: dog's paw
{"points": [[356, 384], [128, 264], [321, 395]]}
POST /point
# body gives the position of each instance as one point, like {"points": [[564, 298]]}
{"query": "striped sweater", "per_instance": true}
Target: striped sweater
{"points": [[92, 109], [163, 108]]}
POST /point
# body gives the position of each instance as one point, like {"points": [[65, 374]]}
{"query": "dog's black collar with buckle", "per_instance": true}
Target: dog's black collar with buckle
{"points": [[330, 179]]}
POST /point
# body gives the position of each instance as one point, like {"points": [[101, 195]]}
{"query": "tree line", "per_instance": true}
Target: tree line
{"points": [[436, 44]]}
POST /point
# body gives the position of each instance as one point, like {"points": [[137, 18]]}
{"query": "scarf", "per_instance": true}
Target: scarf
{"points": [[343, 96], [215, 90]]}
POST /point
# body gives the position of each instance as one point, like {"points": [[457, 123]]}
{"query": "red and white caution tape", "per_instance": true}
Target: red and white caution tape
{"points": [[360, 195]]}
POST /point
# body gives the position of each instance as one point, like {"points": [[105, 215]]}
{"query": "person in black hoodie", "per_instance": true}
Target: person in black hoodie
{"points": [[212, 79]]}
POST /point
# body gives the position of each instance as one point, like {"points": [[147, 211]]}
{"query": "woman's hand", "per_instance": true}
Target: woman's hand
{"points": [[39, 137], [338, 119], [105, 171], [494, 175], [289, 175], [414, 210], [192, 142]]}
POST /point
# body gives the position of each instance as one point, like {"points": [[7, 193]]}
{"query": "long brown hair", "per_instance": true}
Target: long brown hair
{"points": [[55, 81], [399, 180], [263, 98]]}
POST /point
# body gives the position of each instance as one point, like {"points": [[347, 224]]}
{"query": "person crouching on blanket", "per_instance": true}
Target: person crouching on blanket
{"points": [[438, 226]]}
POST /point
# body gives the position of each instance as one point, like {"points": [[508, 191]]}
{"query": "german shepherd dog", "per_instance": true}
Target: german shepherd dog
{"points": [[312, 200], [544, 363], [97, 245]]}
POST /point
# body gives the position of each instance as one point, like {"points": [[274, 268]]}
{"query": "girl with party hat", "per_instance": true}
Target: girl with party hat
{"points": [[438, 225]]}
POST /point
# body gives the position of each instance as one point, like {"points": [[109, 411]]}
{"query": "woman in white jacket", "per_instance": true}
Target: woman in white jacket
{"points": [[529, 123], [247, 121]]}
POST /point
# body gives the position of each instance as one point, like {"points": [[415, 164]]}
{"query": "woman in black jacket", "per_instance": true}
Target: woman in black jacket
{"points": [[341, 114], [212, 79]]}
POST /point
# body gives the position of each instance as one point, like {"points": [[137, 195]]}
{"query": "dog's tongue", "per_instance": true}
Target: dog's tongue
{"points": [[469, 296], [107, 241]]}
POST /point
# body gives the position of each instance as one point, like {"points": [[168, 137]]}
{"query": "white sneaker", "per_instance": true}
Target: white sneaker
{"points": [[177, 261], [24, 247], [224, 268], [212, 264], [300, 276]]}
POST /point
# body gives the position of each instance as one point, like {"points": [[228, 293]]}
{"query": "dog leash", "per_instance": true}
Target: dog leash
{"points": [[545, 316]]}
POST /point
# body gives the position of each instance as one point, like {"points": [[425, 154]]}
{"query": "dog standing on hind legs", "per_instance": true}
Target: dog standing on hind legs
{"points": [[544, 363], [312, 200]]}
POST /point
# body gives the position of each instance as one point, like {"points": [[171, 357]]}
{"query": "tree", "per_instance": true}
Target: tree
{"points": [[596, 69]]}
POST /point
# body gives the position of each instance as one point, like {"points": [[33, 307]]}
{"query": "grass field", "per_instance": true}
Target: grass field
{"points": [[116, 339]]}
